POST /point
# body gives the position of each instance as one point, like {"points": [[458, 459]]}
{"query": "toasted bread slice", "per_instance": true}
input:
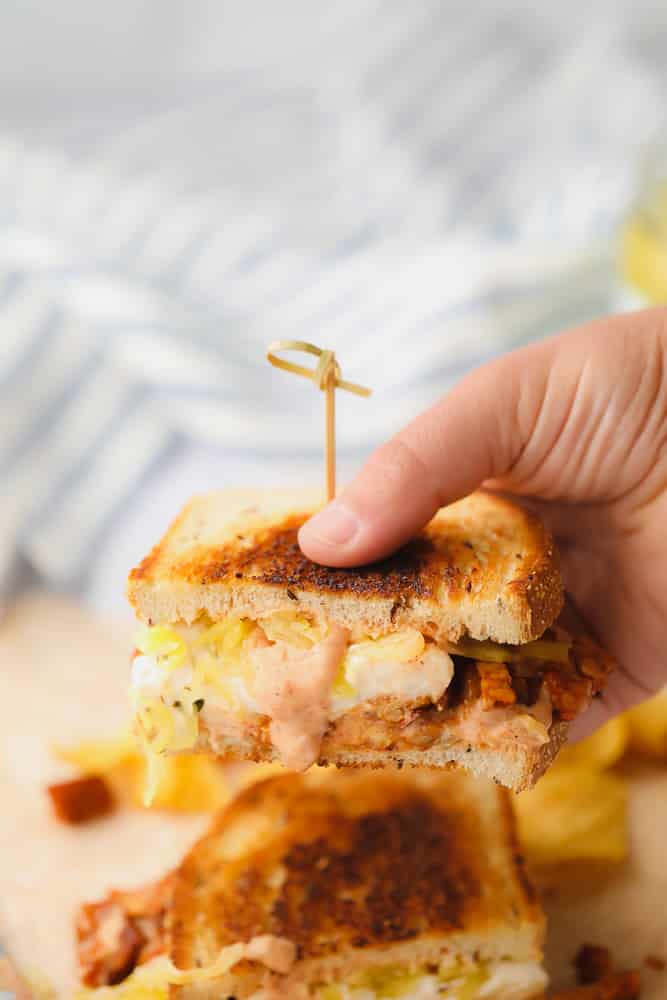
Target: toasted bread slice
{"points": [[483, 567], [368, 877]]}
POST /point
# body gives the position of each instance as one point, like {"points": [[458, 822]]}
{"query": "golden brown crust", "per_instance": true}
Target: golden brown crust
{"points": [[540, 585], [150, 564], [272, 556], [482, 566], [415, 869], [350, 865]]}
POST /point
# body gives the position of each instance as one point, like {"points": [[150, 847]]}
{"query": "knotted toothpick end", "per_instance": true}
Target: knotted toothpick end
{"points": [[327, 376]]}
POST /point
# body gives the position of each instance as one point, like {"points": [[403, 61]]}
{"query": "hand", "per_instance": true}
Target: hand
{"points": [[577, 426]]}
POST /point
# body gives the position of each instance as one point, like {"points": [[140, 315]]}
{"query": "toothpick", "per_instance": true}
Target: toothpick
{"points": [[327, 377]]}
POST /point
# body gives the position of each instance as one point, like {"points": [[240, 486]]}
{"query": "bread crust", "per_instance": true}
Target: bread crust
{"points": [[356, 870], [482, 567]]}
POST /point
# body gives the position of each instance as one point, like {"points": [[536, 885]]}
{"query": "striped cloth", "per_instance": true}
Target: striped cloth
{"points": [[417, 186]]}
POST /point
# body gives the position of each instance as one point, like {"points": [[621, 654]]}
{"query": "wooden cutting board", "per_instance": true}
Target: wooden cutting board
{"points": [[64, 679]]}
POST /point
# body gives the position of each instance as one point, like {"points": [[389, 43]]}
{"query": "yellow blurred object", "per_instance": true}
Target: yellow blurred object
{"points": [[41, 986], [644, 250], [252, 773], [574, 814], [157, 733], [602, 749], [647, 724], [156, 722], [186, 783], [191, 783], [644, 237], [99, 756], [578, 810]]}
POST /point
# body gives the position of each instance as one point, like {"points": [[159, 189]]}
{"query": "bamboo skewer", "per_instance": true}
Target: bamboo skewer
{"points": [[327, 377]]}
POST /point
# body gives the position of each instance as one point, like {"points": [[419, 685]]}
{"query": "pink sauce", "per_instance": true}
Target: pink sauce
{"points": [[292, 687], [493, 726]]}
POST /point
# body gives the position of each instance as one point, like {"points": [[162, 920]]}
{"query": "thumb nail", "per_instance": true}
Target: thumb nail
{"points": [[334, 525]]}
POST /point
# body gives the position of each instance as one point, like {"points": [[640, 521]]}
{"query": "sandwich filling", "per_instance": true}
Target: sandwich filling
{"points": [[457, 980], [451, 980], [293, 683]]}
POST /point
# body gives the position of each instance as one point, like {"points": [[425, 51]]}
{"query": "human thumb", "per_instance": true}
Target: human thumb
{"points": [[473, 434]]}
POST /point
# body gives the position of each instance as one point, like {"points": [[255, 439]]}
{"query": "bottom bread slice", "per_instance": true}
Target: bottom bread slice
{"points": [[515, 765]]}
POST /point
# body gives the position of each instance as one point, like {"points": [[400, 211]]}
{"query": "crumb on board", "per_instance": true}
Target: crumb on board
{"points": [[592, 963], [81, 799]]}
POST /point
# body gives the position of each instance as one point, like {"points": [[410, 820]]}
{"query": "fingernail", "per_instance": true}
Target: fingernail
{"points": [[335, 525]]}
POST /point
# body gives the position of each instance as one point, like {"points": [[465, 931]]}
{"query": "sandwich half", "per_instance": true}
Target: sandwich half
{"points": [[350, 886], [451, 652], [334, 885]]}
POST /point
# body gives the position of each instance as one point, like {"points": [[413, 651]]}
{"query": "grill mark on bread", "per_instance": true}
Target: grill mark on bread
{"points": [[349, 875], [274, 558], [410, 866]]}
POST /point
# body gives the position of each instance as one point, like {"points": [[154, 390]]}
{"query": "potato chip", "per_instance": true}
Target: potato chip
{"points": [[99, 756], [188, 782], [602, 749], [191, 783], [574, 814], [647, 725]]}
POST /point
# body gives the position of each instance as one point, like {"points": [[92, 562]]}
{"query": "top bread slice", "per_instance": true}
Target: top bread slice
{"points": [[357, 871], [482, 567]]}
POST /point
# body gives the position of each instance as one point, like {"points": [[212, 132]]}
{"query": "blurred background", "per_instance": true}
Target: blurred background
{"points": [[418, 186]]}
